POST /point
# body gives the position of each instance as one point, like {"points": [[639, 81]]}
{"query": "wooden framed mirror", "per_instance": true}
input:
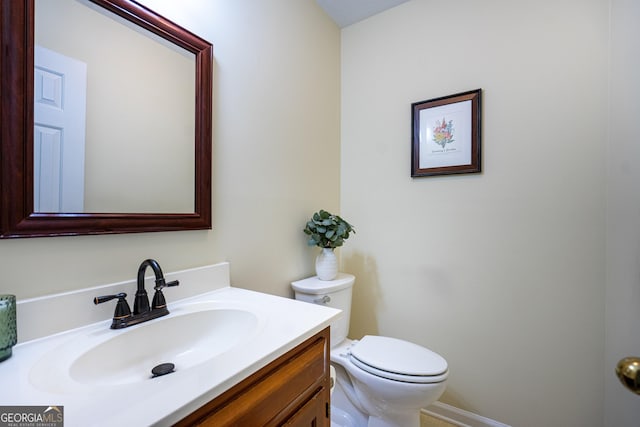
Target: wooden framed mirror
{"points": [[18, 218]]}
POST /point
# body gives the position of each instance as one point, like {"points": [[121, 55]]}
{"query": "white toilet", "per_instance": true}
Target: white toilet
{"points": [[381, 381]]}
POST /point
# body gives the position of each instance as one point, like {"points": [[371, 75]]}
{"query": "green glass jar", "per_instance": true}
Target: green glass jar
{"points": [[8, 329]]}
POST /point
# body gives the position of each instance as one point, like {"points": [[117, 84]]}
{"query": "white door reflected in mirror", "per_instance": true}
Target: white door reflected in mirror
{"points": [[60, 86]]}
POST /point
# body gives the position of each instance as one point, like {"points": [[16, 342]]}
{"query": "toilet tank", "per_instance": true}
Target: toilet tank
{"points": [[332, 293]]}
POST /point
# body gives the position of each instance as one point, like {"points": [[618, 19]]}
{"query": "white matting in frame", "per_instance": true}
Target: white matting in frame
{"points": [[445, 135]]}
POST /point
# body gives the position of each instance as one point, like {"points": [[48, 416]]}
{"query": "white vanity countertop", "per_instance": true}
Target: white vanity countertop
{"points": [[284, 324]]}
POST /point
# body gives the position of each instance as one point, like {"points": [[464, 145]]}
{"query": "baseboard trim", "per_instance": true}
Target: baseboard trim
{"points": [[459, 417]]}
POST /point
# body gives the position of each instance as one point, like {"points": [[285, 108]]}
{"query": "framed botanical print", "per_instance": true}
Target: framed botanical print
{"points": [[446, 135]]}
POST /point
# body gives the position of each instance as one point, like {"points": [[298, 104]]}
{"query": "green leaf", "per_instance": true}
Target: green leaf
{"points": [[327, 230]]}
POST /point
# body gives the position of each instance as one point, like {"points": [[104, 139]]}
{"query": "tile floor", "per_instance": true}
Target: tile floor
{"points": [[428, 421]]}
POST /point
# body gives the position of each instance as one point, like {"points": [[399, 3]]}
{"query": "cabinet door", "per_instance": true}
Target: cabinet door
{"points": [[293, 390], [315, 413]]}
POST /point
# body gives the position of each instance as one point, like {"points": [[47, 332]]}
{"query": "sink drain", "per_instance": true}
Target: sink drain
{"points": [[162, 369]]}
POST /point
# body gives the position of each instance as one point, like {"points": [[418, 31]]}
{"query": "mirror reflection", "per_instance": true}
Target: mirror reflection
{"points": [[113, 115]]}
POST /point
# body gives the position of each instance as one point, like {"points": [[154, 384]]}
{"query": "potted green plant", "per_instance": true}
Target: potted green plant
{"points": [[327, 231]]}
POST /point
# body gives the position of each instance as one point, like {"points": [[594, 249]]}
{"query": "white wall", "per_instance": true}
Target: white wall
{"points": [[623, 207], [501, 272], [275, 158]]}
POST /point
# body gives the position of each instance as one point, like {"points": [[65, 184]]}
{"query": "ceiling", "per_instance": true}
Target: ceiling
{"points": [[347, 12]]}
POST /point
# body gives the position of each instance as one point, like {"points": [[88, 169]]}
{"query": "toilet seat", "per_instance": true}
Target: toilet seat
{"points": [[398, 360]]}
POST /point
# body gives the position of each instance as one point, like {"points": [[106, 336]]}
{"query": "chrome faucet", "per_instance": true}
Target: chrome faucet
{"points": [[123, 317]]}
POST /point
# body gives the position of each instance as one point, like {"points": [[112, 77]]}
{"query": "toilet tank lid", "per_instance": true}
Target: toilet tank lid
{"points": [[313, 285]]}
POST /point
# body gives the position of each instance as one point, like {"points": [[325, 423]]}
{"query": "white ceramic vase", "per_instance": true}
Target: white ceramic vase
{"points": [[326, 264]]}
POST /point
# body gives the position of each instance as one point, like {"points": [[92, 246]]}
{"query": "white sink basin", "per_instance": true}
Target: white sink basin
{"points": [[106, 357]]}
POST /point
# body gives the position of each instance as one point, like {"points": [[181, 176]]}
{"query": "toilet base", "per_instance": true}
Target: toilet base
{"points": [[340, 418], [345, 413]]}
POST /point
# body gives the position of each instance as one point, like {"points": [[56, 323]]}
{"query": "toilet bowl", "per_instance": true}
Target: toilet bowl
{"points": [[380, 381]]}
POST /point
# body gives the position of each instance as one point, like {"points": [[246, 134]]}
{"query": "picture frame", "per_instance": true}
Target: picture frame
{"points": [[446, 135]]}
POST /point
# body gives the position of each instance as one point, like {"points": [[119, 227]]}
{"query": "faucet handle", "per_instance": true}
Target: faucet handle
{"points": [[122, 307], [158, 297], [160, 283]]}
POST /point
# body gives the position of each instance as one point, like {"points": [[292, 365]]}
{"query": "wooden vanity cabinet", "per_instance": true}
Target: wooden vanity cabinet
{"points": [[291, 391]]}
